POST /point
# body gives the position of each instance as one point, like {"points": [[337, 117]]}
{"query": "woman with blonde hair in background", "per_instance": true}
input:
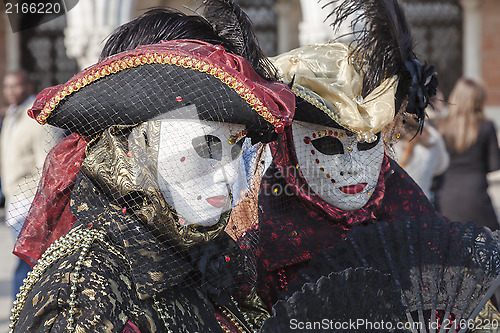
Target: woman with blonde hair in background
{"points": [[472, 143]]}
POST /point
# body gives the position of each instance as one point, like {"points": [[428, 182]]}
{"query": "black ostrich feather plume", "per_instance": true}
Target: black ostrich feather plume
{"points": [[160, 24], [233, 24], [383, 48]]}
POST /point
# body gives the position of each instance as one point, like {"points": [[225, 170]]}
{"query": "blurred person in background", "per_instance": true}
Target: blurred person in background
{"points": [[3, 110], [24, 145], [436, 112], [423, 156], [471, 140]]}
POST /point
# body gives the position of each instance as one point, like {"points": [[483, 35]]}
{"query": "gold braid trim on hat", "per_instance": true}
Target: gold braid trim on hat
{"points": [[155, 58], [124, 166], [314, 99], [320, 103]]}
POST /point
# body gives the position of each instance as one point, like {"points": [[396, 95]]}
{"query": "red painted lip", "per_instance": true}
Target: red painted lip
{"points": [[353, 189], [218, 201]]}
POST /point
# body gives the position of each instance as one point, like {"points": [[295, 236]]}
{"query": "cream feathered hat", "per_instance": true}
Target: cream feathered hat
{"points": [[361, 86], [323, 76]]}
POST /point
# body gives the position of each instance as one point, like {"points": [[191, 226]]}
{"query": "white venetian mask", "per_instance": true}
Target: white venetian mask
{"points": [[197, 166], [338, 168]]}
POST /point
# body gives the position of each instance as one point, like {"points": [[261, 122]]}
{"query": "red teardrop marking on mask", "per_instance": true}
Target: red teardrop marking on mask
{"points": [[279, 128], [314, 135], [333, 181], [129, 154], [227, 258], [336, 134], [220, 48], [178, 99], [317, 161], [330, 133], [124, 210], [313, 152], [307, 140], [183, 159]]}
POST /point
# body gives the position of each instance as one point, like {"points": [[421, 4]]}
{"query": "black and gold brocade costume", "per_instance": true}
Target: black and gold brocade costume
{"points": [[130, 261], [110, 289]]}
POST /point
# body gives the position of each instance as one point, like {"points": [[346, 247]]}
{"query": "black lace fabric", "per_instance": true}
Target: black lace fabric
{"points": [[351, 300], [445, 272]]}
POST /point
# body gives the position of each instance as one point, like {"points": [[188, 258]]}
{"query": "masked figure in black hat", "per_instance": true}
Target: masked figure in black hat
{"points": [[157, 135], [224, 23]]}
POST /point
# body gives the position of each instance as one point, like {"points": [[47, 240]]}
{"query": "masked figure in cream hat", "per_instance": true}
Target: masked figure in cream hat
{"points": [[333, 199], [330, 170]]}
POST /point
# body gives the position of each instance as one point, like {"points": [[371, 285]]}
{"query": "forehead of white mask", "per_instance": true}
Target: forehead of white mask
{"points": [[338, 168], [197, 167]]}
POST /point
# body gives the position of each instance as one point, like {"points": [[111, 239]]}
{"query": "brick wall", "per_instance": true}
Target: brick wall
{"points": [[491, 50]]}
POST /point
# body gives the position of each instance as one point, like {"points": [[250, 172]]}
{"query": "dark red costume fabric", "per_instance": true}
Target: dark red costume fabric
{"points": [[294, 227], [130, 327], [49, 216]]}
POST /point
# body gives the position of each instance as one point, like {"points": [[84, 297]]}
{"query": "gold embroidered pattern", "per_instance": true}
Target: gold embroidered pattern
{"points": [[240, 327], [76, 239], [168, 59]]}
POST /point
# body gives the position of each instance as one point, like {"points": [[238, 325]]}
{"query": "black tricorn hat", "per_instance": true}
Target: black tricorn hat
{"points": [[135, 86]]}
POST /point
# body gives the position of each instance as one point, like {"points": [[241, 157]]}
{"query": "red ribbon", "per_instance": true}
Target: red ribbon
{"points": [[49, 216]]}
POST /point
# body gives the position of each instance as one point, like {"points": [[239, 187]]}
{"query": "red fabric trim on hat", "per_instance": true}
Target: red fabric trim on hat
{"points": [[43, 98], [50, 217]]}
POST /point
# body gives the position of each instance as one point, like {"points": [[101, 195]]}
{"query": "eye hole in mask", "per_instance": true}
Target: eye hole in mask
{"points": [[236, 149], [208, 146], [367, 146], [328, 145]]}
